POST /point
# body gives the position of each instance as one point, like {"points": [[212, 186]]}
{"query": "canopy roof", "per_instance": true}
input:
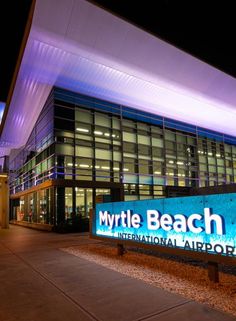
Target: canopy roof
{"points": [[78, 46]]}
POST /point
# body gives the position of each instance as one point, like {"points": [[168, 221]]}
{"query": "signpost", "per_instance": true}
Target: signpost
{"points": [[203, 227]]}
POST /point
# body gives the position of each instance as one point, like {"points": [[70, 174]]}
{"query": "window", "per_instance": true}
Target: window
{"points": [[143, 139], [157, 142], [103, 154], [65, 149], [102, 120], [84, 168], [83, 115], [103, 170], [129, 137], [84, 151]]}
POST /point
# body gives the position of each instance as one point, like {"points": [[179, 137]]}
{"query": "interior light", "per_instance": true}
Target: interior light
{"points": [[82, 130], [171, 162], [107, 134], [158, 173], [116, 168], [125, 169], [105, 167], [98, 133], [69, 164], [180, 163], [83, 165]]}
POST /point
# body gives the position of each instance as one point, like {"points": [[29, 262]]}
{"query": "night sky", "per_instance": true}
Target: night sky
{"points": [[205, 29]]}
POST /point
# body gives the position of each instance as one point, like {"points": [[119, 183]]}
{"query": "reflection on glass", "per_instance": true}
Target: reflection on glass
{"points": [[68, 203], [84, 201]]}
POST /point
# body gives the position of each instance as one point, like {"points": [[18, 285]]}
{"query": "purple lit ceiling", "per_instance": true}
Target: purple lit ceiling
{"points": [[80, 47]]}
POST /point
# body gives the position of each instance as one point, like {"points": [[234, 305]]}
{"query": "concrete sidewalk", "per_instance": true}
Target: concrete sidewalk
{"points": [[41, 282]]}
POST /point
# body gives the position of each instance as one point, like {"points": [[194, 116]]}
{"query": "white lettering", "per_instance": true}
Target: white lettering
{"points": [[117, 219], [152, 220], [111, 219], [180, 225], [195, 223], [135, 220], [124, 219], [166, 222], [103, 217], [191, 223], [209, 219]]}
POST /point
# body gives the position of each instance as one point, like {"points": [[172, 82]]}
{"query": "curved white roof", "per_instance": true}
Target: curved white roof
{"points": [[80, 47]]}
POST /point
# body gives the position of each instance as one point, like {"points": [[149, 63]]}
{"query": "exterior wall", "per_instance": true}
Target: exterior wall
{"points": [[84, 148]]}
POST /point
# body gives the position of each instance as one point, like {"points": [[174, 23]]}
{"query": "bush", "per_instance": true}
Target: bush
{"points": [[77, 224]]}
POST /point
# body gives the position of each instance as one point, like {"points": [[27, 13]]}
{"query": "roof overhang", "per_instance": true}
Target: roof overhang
{"points": [[78, 46]]}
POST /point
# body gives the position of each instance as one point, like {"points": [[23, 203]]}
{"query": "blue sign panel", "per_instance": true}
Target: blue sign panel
{"points": [[197, 223]]}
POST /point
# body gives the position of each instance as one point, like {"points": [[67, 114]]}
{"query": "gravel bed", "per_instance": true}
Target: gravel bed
{"points": [[187, 278]]}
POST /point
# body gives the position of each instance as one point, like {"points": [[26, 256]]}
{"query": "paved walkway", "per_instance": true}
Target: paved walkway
{"points": [[39, 282]]}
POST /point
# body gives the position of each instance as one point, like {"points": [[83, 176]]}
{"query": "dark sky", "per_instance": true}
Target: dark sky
{"points": [[205, 29]]}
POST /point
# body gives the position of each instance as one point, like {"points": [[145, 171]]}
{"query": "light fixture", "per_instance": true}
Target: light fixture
{"points": [[83, 165], [82, 130], [96, 132]]}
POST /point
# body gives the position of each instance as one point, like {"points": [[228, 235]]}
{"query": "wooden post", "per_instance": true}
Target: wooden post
{"points": [[213, 271], [120, 249]]}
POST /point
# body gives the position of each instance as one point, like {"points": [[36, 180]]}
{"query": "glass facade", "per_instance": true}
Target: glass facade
{"points": [[81, 145]]}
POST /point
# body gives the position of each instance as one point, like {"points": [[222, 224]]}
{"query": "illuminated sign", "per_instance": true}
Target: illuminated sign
{"points": [[198, 223]]}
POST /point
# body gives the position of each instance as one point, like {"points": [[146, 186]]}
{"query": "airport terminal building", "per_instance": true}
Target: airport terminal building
{"points": [[107, 114], [82, 147]]}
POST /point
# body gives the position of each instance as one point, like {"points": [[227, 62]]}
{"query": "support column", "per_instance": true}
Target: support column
{"points": [[120, 249], [213, 271], [4, 200]]}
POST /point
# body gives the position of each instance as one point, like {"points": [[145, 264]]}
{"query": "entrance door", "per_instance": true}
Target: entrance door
{"points": [[103, 195], [84, 201]]}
